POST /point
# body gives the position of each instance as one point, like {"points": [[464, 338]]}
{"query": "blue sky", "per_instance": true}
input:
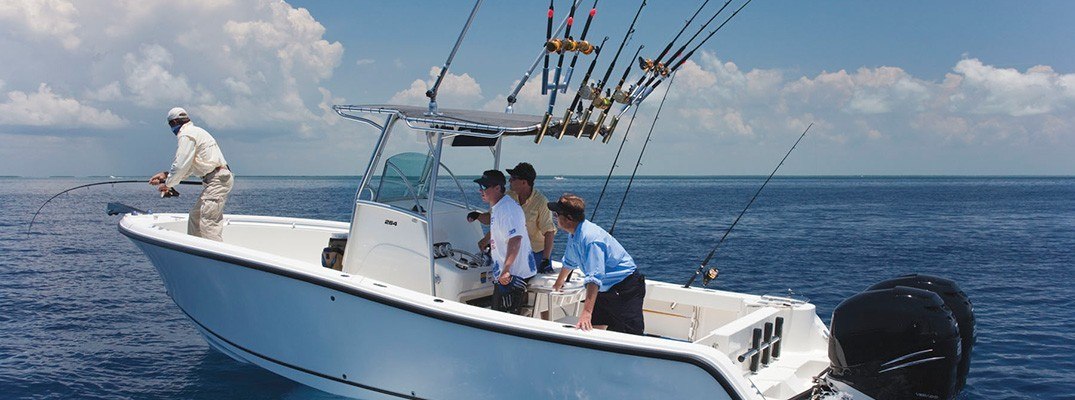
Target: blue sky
{"points": [[915, 87]]}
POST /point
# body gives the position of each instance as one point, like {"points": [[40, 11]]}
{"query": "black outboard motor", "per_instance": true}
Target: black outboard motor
{"points": [[957, 302], [895, 343]]}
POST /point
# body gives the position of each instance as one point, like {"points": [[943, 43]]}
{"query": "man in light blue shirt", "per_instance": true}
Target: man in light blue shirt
{"points": [[614, 288]]}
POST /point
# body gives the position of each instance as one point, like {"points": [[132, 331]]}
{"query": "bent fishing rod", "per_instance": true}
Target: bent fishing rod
{"points": [[713, 272], [642, 152], [645, 91], [513, 96], [97, 184], [597, 89], [432, 92]]}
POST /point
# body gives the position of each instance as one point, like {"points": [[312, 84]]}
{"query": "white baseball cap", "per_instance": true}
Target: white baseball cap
{"points": [[177, 113]]}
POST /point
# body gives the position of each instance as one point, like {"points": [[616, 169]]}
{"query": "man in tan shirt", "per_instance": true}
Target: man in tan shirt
{"points": [[198, 154], [539, 225]]}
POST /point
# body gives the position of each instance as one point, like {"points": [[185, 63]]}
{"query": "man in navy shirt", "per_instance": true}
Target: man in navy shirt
{"points": [[614, 288]]}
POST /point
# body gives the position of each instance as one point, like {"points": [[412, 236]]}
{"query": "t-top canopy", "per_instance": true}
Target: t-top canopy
{"points": [[477, 124]]}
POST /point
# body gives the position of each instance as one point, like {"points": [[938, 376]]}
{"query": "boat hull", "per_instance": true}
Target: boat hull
{"points": [[349, 341]]}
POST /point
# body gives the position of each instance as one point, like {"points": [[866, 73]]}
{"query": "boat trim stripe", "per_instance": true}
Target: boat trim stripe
{"points": [[440, 315]]}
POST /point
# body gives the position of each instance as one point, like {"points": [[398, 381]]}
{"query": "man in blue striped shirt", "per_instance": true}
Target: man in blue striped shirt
{"points": [[615, 289]]}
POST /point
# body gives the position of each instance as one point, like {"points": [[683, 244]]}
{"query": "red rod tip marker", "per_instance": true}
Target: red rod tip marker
{"points": [[593, 11], [550, 13]]}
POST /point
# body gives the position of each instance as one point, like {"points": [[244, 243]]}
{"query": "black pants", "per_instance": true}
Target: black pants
{"points": [[621, 306]]}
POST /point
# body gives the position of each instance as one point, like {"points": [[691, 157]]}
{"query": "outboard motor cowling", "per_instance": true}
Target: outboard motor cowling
{"points": [[957, 302], [895, 343]]}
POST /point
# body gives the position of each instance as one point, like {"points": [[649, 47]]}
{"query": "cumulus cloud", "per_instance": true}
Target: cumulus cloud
{"points": [[237, 64], [975, 102], [53, 19], [456, 91], [985, 89], [45, 108]]}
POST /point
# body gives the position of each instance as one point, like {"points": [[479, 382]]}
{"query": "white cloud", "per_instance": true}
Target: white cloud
{"points": [[456, 91], [985, 89], [55, 19], [364, 61], [45, 108], [248, 64], [109, 92]]}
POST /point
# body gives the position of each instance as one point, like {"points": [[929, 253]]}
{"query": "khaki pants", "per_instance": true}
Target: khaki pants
{"points": [[207, 213]]}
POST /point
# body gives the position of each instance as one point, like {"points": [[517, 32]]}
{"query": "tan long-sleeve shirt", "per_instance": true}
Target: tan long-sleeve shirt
{"points": [[197, 154]]}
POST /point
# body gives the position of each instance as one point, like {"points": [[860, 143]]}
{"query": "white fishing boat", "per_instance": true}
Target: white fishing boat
{"points": [[407, 315], [392, 304]]}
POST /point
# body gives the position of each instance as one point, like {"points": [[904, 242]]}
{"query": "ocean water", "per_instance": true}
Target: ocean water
{"points": [[83, 314]]}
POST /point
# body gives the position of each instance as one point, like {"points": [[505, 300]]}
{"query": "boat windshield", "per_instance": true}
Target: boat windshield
{"points": [[405, 177]]}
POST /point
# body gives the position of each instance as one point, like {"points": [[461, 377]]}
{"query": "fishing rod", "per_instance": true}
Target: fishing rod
{"points": [[640, 153], [683, 48], [593, 215], [173, 194], [596, 90], [619, 95], [560, 46], [657, 68], [432, 92], [548, 38], [579, 93], [655, 63], [712, 273], [513, 96], [647, 90], [583, 46]]}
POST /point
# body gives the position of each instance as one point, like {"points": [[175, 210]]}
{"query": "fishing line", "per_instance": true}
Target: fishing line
{"points": [[640, 153], [88, 185], [593, 214], [712, 273]]}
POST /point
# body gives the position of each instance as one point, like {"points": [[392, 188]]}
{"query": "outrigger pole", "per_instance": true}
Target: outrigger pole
{"points": [[596, 90], [512, 97], [432, 92], [713, 272]]}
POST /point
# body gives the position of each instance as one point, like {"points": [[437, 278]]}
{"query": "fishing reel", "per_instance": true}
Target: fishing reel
{"points": [[710, 275], [568, 45], [603, 102], [590, 92], [649, 65], [623, 96]]}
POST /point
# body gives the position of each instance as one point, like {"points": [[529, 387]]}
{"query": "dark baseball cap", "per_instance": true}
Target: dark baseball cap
{"points": [[524, 170], [570, 205], [491, 178]]}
